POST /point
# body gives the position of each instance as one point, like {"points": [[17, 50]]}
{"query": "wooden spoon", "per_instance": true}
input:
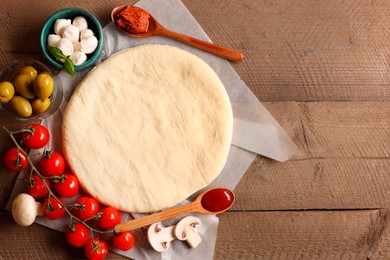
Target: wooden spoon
{"points": [[216, 201], [155, 29]]}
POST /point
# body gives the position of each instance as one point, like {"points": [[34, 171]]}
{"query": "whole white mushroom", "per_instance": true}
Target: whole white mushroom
{"points": [[25, 209]]}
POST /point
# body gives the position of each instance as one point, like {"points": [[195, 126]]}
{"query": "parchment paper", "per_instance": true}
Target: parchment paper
{"points": [[255, 130]]}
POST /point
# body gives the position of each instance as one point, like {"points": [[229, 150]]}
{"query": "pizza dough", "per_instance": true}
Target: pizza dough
{"points": [[147, 128]]}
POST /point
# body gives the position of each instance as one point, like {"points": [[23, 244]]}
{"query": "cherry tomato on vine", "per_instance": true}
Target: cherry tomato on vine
{"points": [[85, 208], [15, 160], [96, 249], [36, 188], [52, 209], [67, 186], [51, 164], [109, 217], [77, 235], [36, 136], [124, 241]]}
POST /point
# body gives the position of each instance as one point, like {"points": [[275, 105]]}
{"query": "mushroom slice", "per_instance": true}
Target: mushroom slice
{"points": [[160, 237], [186, 229]]}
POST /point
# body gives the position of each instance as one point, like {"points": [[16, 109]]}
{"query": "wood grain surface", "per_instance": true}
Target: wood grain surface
{"points": [[322, 69]]}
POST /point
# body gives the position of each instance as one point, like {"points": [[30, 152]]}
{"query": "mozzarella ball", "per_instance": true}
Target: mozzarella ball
{"points": [[53, 39], [86, 33], [89, 45], [72, 33], [80, 22], [66, 46], [78, 57], [60, 24]]}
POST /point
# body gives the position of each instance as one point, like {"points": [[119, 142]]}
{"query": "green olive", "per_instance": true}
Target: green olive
{"points": [[27, 70], [7, 91], [24, 85], [43, 85], [40, 105], [21, 106]]}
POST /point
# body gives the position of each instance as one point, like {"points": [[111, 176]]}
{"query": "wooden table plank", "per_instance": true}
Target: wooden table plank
{"points": [[305, 50], [304, 235], [315, 184], [250, 235], [336, 129]]}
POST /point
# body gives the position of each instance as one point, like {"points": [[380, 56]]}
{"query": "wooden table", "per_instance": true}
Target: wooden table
{"points": [[322, 69]]}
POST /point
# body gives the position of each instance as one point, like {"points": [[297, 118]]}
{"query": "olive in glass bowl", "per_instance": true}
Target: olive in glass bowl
{"points": [[30, 91]]}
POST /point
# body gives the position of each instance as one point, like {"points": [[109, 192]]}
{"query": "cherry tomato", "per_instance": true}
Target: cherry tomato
{"points": [[67, 186], [96, 249], [85, 208], [109, 217], [36, 137], [15, 160], [52, 209], [124, 241], [51, 164], [77, 235], [36, 188]]}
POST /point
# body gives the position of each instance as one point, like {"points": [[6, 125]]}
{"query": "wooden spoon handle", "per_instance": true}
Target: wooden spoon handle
{"points": [[223, 52], [157, 217]]}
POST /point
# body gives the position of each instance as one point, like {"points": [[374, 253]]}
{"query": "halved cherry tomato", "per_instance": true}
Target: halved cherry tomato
{"points": [[15, 160], [96, 249], [52, 209], [85, 208], [51, 164], [36, 188], [77, 235], [124, 241], [36, 137], [109, 217], [67, 186]]}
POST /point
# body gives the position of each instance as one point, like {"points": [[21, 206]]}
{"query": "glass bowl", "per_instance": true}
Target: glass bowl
{"points": [[9, 72]]}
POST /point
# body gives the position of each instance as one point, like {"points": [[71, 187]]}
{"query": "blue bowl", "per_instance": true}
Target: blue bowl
{"points": [[71, 13]]}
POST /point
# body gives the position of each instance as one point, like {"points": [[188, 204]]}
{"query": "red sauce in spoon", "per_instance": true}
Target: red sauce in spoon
{"points": [[217, 200]]}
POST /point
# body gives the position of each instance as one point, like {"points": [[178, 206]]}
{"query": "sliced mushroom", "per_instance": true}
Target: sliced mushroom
{"points": [[186, 229], [160, 237]]}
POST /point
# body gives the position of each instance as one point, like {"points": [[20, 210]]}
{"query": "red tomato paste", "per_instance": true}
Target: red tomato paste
{"points": [[133, 19]]}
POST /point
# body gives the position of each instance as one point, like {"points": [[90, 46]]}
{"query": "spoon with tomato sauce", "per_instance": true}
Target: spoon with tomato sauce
{"points": [[129, 19], [212, 201]]}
